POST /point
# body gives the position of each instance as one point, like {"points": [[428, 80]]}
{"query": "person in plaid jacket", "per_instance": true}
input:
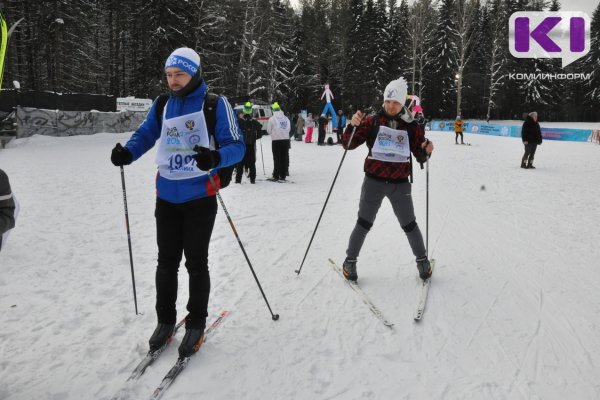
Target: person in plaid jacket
{"points": [[391, 136]]}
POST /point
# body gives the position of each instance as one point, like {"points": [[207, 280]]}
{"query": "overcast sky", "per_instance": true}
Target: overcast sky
{"points": [[587, 6]]}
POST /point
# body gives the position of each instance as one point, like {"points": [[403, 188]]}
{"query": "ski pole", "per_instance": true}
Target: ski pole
{"points": [[262, 157], [326, 200], [275, 317], [129, 238], [427, 209]]}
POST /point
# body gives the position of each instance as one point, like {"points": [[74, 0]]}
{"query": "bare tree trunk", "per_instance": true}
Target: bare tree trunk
{"points": [[466, 12]]}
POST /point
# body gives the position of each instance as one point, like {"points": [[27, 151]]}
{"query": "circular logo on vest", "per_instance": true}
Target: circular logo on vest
{"points": [[194, 139]]}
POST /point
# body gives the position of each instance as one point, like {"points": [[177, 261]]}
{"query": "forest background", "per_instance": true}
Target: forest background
{"points": [[453, 53]]}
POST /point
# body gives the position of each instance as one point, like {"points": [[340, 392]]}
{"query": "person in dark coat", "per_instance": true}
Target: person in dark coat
{"points": [[323, 121], [8, 208], [531, 134], [252, 131]]}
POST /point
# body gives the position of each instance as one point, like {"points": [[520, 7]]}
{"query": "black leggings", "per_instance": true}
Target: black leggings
{"points": [[456, 137], [183, 229]]}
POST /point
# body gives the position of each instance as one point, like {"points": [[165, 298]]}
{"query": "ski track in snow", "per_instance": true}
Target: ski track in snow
{"points": [[513, 311]]}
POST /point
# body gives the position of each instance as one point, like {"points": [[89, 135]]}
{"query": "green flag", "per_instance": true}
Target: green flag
{"points": [[3, 44]]}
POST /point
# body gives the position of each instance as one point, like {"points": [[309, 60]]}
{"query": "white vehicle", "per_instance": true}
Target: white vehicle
{"points": [[261, 112]]}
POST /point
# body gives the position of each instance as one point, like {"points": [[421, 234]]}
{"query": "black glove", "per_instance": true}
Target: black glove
{"points": [[121, 156], [206, 159]]}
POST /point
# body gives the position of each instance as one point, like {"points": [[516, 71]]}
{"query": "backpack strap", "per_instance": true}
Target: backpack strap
{"points": [[161, 102], [210, 112]]}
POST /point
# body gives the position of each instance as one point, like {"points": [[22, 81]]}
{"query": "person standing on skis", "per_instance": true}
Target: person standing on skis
{"points": [[186, 206], [391, 136]]}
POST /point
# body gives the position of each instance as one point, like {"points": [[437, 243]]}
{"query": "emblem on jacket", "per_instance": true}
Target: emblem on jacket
{"points": [[194, 139], [173, 132], [190, 124]]}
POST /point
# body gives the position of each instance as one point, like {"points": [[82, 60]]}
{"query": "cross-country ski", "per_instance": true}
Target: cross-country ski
{"points": [[299, 162], [182, 362], [363, 296], [423, 292]]}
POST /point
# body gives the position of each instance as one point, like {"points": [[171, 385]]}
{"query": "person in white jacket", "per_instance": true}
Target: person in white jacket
{"points": [[279, 128]]}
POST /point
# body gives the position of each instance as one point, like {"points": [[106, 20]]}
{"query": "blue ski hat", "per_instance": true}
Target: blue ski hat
{"points": [[185, 59]]}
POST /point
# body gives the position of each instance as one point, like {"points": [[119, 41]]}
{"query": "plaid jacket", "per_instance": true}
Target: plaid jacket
{"points": [[367, 132]]}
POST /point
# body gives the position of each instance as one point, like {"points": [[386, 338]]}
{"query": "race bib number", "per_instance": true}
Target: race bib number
{"points": [[178, 137], [391, 145]]}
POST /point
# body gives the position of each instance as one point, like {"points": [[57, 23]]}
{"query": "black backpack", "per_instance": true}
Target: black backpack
{"points": [[210, 115]]}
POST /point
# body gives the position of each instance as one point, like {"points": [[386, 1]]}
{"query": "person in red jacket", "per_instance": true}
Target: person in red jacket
{"points": [[391, 136]]}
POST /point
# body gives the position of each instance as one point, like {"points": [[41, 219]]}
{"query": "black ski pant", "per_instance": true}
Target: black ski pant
{"points": [[184, 229], [249, 162], [456, 137], [372, 194], [530, 149], [281, 157], [321, 139]]}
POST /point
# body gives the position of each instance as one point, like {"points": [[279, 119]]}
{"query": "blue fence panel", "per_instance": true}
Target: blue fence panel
{"points": [[482, 128]]}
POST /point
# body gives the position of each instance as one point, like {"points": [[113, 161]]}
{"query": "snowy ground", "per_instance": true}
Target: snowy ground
{"points": [[513, 312]]}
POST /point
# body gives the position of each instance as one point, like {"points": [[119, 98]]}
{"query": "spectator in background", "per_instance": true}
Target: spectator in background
{"points": [[299, 127], [251, 128], [279, 127], [531, 134], [341, 124], [323, 121], [8, 208], [458, 129], [309, 128]]}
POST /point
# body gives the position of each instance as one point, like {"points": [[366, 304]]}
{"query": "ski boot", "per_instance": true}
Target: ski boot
{"points": [[161, 336], [424, 268], [192, 340], [349, 269]]}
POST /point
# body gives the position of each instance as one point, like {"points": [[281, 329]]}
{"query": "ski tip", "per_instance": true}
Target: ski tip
{"points": [[224, 313]]}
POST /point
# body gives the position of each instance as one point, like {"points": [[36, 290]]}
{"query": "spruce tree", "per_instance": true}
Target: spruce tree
{"points": [[441, 73]]}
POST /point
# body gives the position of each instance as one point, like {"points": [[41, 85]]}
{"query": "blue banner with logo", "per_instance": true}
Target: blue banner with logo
{"points": [[482, 128]]}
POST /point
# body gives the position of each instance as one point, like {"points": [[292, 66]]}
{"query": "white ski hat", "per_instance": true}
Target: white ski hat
{"points": [[185, 59], [396, 90]]}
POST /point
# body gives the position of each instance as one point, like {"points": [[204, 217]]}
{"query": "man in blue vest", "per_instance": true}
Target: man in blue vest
{"points": [[186, 206]]}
